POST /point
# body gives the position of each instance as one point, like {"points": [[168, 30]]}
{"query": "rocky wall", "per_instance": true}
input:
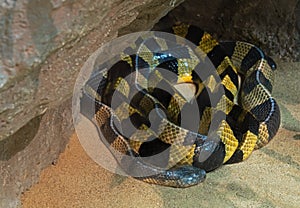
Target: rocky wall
{"points": [[274, 25], [43, 45]]}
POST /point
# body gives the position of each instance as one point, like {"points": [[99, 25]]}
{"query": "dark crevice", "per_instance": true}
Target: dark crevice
{"points": [[19, 140]]}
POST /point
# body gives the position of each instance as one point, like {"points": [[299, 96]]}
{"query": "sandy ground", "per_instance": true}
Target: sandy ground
{"points": [[269, 178]]}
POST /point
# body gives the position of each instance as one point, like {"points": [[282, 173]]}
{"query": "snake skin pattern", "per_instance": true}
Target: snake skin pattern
{"points": [[138, 93]]}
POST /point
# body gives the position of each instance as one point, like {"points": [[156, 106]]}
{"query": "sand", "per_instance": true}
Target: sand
{"points": [[269, 178]]}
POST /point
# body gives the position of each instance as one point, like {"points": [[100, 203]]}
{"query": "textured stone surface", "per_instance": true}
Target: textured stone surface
{"points": [[273, 25], [43, 45], [45, 137]]}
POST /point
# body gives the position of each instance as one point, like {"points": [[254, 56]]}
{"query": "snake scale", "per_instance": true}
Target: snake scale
{"points": [[150, 126]]}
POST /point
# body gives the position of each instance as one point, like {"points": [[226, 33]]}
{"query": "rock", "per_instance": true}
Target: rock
{"points": [[272, 25], [43, 45], [32, 148]]}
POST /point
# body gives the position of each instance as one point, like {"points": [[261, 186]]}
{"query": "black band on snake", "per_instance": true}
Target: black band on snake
{"points": [[150, 126]]}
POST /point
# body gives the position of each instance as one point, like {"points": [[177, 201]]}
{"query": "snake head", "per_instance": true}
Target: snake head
{"points": [[271, 62]]}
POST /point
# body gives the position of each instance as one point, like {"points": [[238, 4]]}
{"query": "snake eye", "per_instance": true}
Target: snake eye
{"points": [[169, 69]]}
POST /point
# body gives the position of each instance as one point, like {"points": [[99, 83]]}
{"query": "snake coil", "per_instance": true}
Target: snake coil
{"points": [[141, 115]]}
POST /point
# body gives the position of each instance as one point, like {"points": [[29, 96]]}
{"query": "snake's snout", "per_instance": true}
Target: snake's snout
{"points": [[190, 176]]}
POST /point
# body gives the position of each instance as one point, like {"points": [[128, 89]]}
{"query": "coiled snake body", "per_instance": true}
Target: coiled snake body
{"points": [[141, 115]]}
